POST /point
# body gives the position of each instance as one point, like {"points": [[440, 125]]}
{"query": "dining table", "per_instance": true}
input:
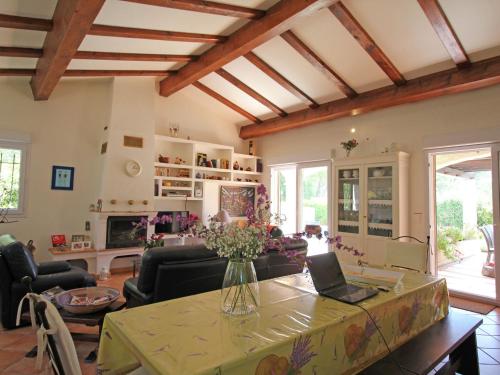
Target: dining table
{"points": [[295, 330]]}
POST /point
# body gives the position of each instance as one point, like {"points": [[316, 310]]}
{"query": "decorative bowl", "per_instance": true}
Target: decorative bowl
{"points": [[103, 297], [346, 173], [379, 172]]}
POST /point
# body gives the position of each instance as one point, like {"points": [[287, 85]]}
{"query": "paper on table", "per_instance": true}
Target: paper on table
{"points": [[374, 276]]}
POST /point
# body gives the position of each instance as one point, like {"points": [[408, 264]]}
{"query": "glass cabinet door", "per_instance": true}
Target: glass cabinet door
{"points": [[348, 200], [379, 199]]}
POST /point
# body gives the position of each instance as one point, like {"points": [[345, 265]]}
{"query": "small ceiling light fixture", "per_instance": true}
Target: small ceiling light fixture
{"points": [[353, 130]]}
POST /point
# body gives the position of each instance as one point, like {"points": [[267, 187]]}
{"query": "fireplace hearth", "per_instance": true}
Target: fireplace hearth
{"points": [[120, 232]]}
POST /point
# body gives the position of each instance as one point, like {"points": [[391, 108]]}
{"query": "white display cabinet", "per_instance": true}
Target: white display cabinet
{"points": [[371, 203]]}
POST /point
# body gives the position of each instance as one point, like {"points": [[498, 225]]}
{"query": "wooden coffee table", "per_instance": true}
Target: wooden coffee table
{"points": [[90, 320]]}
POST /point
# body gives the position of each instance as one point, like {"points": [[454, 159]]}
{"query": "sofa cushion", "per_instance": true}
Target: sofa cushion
{"points": [[20, 261], [46, 268], [152, 258]]}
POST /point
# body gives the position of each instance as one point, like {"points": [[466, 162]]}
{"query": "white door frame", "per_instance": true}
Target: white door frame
{"points": [[430, 217], [495, 179], [300, 166]]}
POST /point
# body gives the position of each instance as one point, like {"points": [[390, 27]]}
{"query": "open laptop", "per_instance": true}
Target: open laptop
{"points": [[329, 280]]}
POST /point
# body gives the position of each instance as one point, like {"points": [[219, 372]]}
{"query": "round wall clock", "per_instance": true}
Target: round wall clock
{"points": [[133, 168]]}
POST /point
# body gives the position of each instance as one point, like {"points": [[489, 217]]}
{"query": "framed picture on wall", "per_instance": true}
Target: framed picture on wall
{"points": [[235, 200], [62, 177]]}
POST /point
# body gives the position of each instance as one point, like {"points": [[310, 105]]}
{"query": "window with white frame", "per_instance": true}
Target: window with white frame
{"points": [[300, 194], [13, 157]]}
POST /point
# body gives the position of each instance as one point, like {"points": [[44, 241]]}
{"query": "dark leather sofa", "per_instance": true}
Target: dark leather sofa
{"points": [[16, 262], [178, 271]]}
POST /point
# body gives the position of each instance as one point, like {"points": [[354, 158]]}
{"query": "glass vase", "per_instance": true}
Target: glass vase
{"points": [[240, 289]]}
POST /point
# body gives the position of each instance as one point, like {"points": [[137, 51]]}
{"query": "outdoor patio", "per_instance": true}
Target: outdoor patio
{"points": [[466, 277]]}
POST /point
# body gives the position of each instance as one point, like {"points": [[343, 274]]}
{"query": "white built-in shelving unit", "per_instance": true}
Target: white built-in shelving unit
{"points": [[183, 178]]}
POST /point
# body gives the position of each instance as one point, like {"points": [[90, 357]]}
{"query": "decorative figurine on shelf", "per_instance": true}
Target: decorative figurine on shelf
{"points": [[251, 150], [99, 205], [349, 145], [174, 129], [249, 169], [236, 166], [241, 168], [198, 175], [179, 160], [163, 159]]}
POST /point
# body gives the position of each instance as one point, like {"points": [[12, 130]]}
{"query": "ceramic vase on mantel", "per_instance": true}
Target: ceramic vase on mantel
{"points": [[240, 289]]}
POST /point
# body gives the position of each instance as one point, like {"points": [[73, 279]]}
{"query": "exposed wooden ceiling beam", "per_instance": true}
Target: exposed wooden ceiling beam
{"points": [[481, 74], [205, 7], [93, 55], [307, 53], [39, 24], [25, 23], [251, 92], [91, 73], [285, 83], [72, 21], [16, 72], [445, 32], [21, 52], [364, 39], [226, 102], [175, 36], [278, 19]]}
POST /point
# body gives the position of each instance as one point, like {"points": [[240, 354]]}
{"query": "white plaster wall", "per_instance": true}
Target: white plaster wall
{"points": [[66, 130], [450, 120], [132, 114]]}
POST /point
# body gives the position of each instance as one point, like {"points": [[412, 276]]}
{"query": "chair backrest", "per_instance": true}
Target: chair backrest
{"points": [[53, 335], [487, 231], [407, 255]]}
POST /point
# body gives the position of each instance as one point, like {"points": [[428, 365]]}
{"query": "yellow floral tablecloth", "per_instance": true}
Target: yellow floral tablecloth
{"points": [[295, 331]]}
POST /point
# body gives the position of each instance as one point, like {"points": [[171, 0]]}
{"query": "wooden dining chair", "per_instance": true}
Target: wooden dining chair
{"points": [[53, 336], [407, 255]]}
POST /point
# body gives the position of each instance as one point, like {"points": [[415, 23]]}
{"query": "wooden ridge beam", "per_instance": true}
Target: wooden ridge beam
{"points": [[478, 75], [91, 73], [445, 32], [25, 23], [175, 36], [307, 53], [91, 55], [210, 7], [250, 92], [226, 102], [72, 20], [281, 80], [364, 39], [278, 19]]}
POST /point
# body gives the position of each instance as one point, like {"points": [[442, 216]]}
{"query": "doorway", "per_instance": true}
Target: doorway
{"points": [[462, 220]]}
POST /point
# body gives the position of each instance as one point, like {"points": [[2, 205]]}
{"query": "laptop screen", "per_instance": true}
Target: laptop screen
{"points": [[325, 271]]}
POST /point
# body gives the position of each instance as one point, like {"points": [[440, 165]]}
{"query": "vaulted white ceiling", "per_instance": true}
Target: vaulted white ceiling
{"points": [[399, 27]]}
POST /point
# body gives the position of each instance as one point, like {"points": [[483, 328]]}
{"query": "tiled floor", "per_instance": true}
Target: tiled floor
{"points": [[15, 343]]}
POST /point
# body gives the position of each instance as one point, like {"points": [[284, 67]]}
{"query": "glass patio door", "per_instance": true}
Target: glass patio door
{"points": [[464, 211]]}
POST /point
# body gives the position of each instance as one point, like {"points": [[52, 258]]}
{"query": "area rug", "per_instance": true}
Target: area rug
{"points": [[464, 304]]}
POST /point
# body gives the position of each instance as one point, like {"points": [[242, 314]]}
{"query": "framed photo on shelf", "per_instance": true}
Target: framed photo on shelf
{"points": [[235, 200], [58, 240], [62, 177], [201, 159]]}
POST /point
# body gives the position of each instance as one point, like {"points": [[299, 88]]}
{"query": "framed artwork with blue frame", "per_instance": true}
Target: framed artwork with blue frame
{"points": [[62, 177]]}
